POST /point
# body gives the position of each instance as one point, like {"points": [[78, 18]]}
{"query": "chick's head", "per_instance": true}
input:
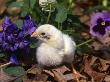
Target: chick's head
{"points": [[47, 33]]}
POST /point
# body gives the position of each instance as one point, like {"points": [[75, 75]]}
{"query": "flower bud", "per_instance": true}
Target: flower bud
{"points": [[45, 4]]}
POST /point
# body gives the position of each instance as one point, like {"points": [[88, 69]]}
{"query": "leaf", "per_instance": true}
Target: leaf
{"points": [[84, 49], [62, 69], [97, 76], [32, 3], [33, 45], [105, 64], [26, 5], [72, 21], [10, 1], [4, 77], [18, 23], [1, 55], [24, 13], [18, 80], [69, 77], [107, 78], [25, 8], [96, 45], [59, 76], [2, 6], [14, 70], [60, 1], [16, 4], [61, 15]]}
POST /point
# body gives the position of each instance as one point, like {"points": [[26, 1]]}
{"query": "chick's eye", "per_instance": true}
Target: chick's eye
{"points": [[43, 33]]}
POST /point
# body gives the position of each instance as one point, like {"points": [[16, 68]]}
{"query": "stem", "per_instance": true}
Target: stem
{"points": [[5, 64], [50, 6], [85, 42]]}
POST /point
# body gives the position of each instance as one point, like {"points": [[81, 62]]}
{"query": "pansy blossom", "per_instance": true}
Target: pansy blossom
{"points": [[100, 24], [12, 38]]}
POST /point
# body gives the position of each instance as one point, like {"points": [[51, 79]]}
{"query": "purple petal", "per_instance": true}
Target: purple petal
{"points": [[99, 29], [1, 37], [7, 22], [108, 28], [8, 26], [99, 35], [5, 46], [23, 44], [102, 31], [103, 15], [32, 30], [13, 48], [94, 18], [29, 25], [14, 59]]}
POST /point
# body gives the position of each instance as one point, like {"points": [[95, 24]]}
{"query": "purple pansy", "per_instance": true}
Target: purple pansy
{"points": [[29, 25], [100, 24], [13, 39]]}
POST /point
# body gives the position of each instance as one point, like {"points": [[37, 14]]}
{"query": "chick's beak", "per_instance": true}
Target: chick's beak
{"points": [[35, 34]]}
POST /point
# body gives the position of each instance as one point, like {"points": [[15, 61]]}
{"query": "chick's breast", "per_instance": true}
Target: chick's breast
{"points": [[48, 56]]}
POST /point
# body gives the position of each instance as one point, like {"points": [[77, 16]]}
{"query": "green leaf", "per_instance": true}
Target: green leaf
{"points": [[18, 80], [24, 13], [14, 70], [18, 23], [10, 1], [26, 4], [61, 1], [32, 3], [25, 8], [33, 45], [1, 55], [61, 15], [17, 4], [84, 49], [72, 21]]}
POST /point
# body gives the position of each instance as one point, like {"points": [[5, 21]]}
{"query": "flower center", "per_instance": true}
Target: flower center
{"points": [[103, 23]]}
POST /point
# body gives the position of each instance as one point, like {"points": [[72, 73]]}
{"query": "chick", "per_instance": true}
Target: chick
{"points": [[54, 47]]}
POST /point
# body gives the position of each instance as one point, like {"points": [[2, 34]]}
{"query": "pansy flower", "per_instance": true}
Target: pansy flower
{"points": [[100, 24], [13, 39]]}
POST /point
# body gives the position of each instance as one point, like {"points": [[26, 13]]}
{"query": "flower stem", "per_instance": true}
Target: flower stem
{"points": [[5, 64], [85, 42], [50, 6]]}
